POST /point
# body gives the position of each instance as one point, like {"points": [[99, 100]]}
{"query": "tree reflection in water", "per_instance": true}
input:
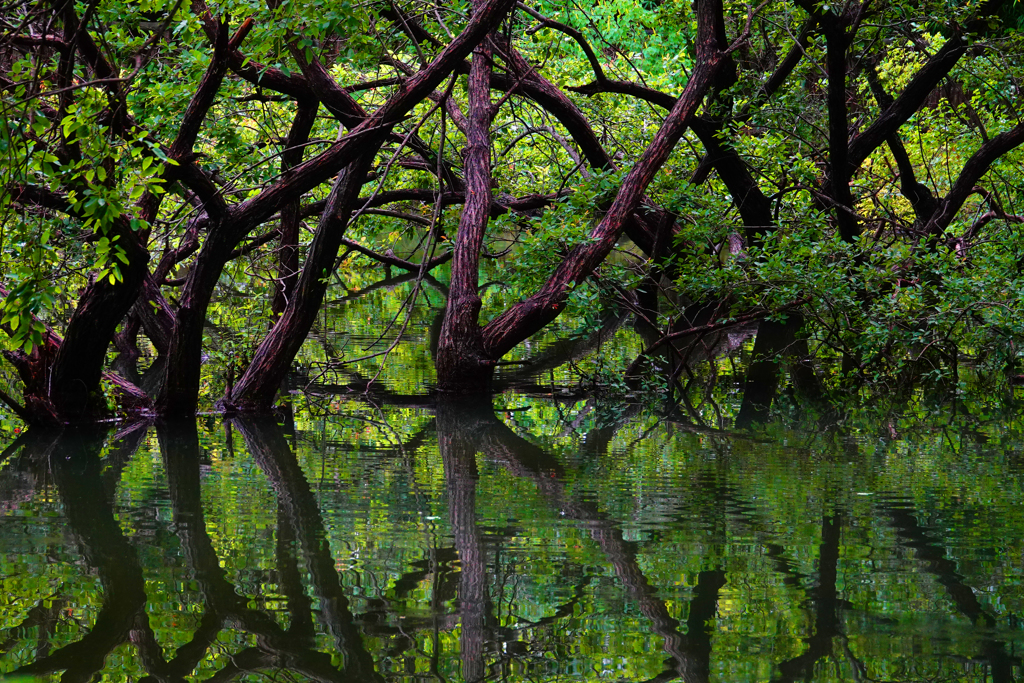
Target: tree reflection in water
{"points": [[463, 604]]}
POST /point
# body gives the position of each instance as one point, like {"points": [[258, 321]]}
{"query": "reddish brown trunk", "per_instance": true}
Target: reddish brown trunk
{"points": [[256, 389], [462, 365], [74, 382], [291, 218], [528, 317], [179, 395], [526, 79], [181, 389]]}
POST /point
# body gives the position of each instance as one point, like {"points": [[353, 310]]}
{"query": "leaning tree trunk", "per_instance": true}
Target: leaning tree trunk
{"points": [[256, 392], [256, 389], [529, 316], [179, 394], [62, 376], [462, 365], [75, 381]]}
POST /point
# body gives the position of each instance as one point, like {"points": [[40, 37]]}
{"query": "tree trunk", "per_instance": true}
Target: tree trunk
{"points": [[837, 41], [74, 382], [462, 365], [526, 318], [179, 395], [291, 218], [255, 391]]}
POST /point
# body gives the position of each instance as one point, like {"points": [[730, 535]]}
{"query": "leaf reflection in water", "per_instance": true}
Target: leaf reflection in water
{"points": [[451, 542]]}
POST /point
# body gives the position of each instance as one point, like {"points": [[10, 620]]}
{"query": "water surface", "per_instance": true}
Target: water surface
{"points": [[526, 541]]}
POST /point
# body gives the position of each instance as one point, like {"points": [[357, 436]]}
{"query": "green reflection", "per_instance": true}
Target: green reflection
{"points": [[539, 541]]}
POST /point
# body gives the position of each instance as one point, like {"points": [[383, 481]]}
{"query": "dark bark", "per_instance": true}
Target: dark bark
{"points": [[972, 171], [181, 153], [407, 24], [588, 50], [789, 62], [291, 219], [256, 389], [754, 207], [152, 310], [529, 316], [389, 259], [906, 104], [179, 394], [181, 388], [527, 204], [62, 380], [74, 382], [837, 42], [526, 79], [461, 362], [343, 106], [155, 315], [898, 111], [316, 83], [35, 369], [76, 34], [920, 197], [321, 85]]}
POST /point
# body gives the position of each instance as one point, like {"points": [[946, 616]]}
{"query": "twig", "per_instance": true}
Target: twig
{"points": [[711, 327]]}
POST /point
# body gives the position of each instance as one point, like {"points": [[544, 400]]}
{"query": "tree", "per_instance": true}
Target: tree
{"points": [[129, 173]]}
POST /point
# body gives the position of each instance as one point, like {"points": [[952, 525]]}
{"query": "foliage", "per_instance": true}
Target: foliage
{"points": [[87, 166]]}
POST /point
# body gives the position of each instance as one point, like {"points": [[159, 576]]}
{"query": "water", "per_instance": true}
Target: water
{"points": [[525, 541]]}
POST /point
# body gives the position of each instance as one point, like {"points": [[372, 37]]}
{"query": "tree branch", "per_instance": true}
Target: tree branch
{"points": [[970, 174]]}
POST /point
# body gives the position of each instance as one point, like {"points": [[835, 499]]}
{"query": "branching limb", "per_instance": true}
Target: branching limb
{"points": [[389, 259]]}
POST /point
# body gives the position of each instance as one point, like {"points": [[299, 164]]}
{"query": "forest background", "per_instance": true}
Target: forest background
{"points": [[190, 191]]}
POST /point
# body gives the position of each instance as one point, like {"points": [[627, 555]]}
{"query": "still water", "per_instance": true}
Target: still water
{"points": [[531, 540]]}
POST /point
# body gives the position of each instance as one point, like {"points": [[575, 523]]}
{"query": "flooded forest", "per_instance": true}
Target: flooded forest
{"points": [[484, 340]]}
